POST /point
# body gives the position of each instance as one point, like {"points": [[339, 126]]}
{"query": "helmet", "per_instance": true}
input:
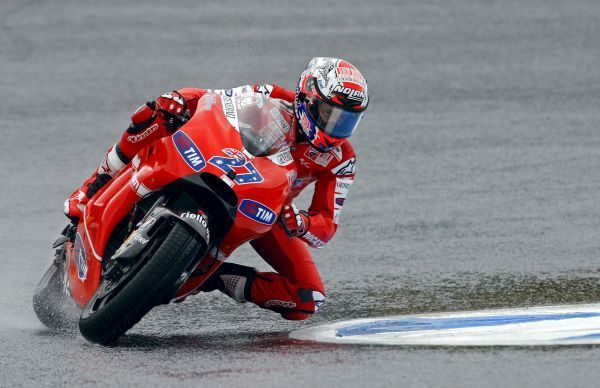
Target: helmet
{"points": [[331, 97]]}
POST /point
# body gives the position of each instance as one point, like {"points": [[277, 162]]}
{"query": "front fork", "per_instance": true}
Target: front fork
{"points": [[156, 222]]}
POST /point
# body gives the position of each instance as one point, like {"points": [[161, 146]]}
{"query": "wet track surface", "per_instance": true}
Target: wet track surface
{"points": [[477, 183]]}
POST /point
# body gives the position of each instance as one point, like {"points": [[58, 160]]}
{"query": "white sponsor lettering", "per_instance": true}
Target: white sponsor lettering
{"points": [[143, 135], [279, 119], [356, 95], [323, 159], [230, 111], [193, 157], [280, 303], [282, 158], [264, 215], [341, 192], [347, 74], [200, 218], [140, 239], [313, 240]]}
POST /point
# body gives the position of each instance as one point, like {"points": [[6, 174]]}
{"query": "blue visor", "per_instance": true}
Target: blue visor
{"points": [[332, 120]]}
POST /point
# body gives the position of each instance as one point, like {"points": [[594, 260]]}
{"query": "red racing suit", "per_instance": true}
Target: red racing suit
{"points": [[296, 290]]}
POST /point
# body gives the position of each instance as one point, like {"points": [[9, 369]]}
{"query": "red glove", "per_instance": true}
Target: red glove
{"points": [[172, 102], [172, 107], [294, 221]]}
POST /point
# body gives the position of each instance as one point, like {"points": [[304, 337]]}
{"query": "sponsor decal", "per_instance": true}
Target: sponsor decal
{"points": [[342, 185], [228, 92], [320, 158], [282, 158], [280, 303], [257, 211], [199, 217], [79, 257], [323, 159], [311, 153], [352, 94], [189, 151], [228, 107], [264, 89], [313, 240], [347, 168], [137, 237], [230, 111], [143, 135], [347, 74], [339, 198], [279, 120]]}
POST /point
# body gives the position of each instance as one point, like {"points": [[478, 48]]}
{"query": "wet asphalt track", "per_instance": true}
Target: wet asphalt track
{"points": [[478, 179]]}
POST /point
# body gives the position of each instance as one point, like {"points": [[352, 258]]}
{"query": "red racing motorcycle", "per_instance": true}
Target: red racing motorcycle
{"points": [[167, 221]]}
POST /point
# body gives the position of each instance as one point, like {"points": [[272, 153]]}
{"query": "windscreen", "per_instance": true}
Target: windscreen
{"points": [[265, 124]]}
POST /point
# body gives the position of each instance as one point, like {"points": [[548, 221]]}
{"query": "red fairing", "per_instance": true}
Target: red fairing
{"points": [[315, 166], [331, 189], [262, 185]]}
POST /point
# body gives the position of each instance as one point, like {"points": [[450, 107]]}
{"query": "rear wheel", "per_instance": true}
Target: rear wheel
{"points": [[122, 301]]}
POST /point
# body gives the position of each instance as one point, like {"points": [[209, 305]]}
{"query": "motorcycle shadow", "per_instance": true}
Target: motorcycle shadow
{"points": [[247, 341]]}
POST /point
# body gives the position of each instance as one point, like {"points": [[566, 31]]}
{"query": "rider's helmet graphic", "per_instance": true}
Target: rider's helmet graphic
{"points": [[331, 97]]}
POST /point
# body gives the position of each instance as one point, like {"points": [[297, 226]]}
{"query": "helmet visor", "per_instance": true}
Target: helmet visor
{"points": [[333, 120]]}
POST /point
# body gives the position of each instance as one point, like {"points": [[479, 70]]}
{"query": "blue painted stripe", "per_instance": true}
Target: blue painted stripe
{"points": [[582, 337], [422, 323]]}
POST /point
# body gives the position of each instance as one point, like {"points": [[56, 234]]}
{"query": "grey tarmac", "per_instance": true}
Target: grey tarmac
{"points": [[477, 179]]}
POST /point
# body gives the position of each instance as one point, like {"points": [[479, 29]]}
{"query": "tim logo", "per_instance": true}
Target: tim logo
{"points": [[257, 211], [79, 258], [189, 151]]}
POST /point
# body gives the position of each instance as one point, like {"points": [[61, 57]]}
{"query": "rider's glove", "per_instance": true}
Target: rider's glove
{"points": [[172, 106], [294, 221]]}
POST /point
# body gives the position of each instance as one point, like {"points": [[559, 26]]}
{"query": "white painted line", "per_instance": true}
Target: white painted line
{"points": [[548, 325]]}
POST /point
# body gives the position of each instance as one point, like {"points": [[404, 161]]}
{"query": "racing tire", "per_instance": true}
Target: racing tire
{"points": [[147, 288]]}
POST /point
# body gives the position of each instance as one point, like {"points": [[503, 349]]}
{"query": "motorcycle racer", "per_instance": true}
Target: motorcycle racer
{"points": [[328, 104]]}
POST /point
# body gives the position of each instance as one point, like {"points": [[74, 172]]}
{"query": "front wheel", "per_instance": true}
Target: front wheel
{"points": [[113, 310]]}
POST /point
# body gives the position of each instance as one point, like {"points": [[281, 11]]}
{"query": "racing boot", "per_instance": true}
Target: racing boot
{"points": [[113, 162], [233, 280], [268, 290]]}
